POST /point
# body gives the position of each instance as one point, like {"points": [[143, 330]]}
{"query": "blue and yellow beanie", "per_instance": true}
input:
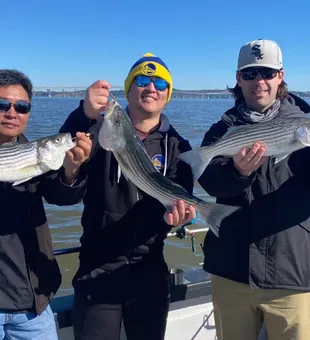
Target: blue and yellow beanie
{"points": [[149, 65]]}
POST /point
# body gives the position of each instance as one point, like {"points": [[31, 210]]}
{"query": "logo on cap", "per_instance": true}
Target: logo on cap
{"points": [[257, 52], [149, 69], [158, 161]]}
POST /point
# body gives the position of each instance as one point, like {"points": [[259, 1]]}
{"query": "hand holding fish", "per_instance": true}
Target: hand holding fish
{"points": [[248, 160], [96, 99], [180, 215], [76, 156]]}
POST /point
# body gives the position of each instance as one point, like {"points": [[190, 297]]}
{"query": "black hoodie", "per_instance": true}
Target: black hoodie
{"points": [[267, 242], [122, 226]]}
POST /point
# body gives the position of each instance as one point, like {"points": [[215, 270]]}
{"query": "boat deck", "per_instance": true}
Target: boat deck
{"points": [[190, 315]]}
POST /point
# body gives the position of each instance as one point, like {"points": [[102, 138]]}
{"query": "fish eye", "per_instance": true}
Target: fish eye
{"points": [[117, 122], [58, 140]]}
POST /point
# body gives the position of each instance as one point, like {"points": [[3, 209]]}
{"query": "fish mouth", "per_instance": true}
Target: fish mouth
{"points": [[110, 107], [75, 139], [72, 142]]}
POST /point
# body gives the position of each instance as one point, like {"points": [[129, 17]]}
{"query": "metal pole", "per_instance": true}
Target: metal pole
{"points": [[72, 250], [192, 231]]}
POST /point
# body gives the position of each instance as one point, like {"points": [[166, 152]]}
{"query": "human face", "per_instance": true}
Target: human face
{"points": [[259, 93], [146, 99], [12, 123]]}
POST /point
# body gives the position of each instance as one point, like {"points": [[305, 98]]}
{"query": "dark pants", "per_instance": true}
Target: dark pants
{"points": [[140, 300]]}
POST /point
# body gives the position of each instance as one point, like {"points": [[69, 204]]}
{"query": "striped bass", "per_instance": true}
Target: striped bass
{"points": [[118, 135], [21, 162], [280, 137]]}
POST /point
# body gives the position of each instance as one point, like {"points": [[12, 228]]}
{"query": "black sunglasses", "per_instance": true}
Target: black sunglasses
{"points": [[265, 72], [21, 106]]}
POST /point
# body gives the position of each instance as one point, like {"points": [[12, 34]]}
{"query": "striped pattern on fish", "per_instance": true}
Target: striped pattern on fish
{"points": [[118, 135], [21, 162], [280, 137]]}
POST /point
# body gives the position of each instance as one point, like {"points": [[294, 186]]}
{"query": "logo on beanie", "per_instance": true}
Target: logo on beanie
{"points": [[257, 52], [149, 69]]}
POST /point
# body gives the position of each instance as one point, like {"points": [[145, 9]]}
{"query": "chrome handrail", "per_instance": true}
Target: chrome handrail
{"points": [[73, 250]]}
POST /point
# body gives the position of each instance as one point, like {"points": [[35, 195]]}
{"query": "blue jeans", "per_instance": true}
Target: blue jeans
{"points": [[28, 326]]}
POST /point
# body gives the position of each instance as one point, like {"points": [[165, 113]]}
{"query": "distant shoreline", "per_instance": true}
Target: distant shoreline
{"points": [[202, 94]]}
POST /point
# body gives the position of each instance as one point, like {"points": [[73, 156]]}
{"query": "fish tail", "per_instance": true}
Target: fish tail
{"points": [[214, 214], [198, 159]]}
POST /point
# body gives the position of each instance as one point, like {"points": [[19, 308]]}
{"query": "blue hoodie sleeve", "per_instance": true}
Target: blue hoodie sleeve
{"points": [[221, 179]]}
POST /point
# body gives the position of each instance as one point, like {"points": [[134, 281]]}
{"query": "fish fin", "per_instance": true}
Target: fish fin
{"points": [[120, 173], [280, 157], [196, 160], [214, 214], [28, 172], [55, 164], [303, 135], [21, 181]]}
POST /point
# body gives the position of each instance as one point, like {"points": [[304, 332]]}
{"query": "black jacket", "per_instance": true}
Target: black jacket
{"points": [[24, 221], [122, 225], [267, 242]]}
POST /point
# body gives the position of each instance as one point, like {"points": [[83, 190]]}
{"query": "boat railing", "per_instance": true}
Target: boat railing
{"points": [[71, 250]]}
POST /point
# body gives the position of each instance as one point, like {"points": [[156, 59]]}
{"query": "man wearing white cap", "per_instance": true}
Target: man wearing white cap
{"points": [[260, 263]]}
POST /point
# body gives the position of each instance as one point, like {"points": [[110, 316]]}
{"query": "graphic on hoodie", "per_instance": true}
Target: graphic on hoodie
{"points": [[158, 161]]}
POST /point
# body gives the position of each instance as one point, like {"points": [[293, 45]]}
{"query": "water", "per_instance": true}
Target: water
{"points": [[190, 117]]}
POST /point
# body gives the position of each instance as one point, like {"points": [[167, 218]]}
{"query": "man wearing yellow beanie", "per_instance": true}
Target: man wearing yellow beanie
{"points": [[123, 273], [149, 66]]}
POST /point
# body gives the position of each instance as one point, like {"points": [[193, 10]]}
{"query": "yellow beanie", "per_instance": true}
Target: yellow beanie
{"points": [[152, 66]]}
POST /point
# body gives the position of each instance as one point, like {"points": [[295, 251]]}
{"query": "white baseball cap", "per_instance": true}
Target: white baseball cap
{"points": [[261, 53]]}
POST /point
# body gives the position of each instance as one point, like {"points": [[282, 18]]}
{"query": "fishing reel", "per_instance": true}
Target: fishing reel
{"points": [[182, 234]]}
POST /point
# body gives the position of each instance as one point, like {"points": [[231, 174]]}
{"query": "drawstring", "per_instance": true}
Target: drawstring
{"points": [[166, 154], [119, 173]]}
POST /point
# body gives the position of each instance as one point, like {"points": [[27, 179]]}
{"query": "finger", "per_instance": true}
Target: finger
{"points": [[181, 210], [257, 158], [190, 215], [86, 147], [83, 138], [240, 155], [168, 218], [101, 95], [175, 214], [100, 84], [78, 154], [250, 154], [69, 155], [263, 159], [192, 212]]}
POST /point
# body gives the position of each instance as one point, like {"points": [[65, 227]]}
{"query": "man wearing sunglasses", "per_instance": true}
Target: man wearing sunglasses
{"points": [[122, 273], [29, 274], [260, 262]]}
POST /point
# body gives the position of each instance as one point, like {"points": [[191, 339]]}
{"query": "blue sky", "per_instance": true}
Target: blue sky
{"points": [[74, 43]]}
